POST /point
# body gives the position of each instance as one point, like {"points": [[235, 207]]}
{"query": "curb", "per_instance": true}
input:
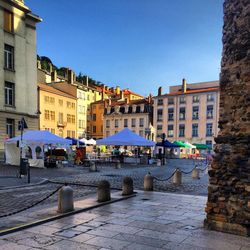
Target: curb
{"points": [[39, 222], [43, 181]]}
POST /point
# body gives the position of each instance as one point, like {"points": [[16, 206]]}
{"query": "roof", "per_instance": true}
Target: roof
{"points": [[52, 90], [129, 92], [125, 138], [132, 102]]}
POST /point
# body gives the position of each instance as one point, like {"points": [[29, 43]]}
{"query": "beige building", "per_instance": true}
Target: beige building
{"points": [[18, 75], [189, 112], [57, 111], [136, 115]]}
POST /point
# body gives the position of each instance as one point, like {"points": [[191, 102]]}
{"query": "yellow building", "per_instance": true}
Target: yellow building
{"points": [[57, 111]]}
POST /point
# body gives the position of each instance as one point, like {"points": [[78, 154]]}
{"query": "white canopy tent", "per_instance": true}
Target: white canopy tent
{"points": [[125, 138], [35, 140], [88, 142]]}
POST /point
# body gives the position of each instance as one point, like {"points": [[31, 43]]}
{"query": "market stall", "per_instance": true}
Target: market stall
{"points": [[36, 145], [126, 138]]}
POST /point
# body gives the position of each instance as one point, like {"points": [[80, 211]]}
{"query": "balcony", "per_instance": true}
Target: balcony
{"points": [[61, 124]]}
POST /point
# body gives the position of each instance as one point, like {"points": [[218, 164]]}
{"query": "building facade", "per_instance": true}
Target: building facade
{"points": [[18, 76], [57, 111], [189, 112], [137, 115]]}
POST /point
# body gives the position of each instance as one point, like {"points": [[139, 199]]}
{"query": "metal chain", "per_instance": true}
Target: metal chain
{"points": [[32, 205], [158, 179]]}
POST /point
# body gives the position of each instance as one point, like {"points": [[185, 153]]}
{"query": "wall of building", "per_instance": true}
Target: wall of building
{"points": [[188, 121], [59, 105], [24, 75]]}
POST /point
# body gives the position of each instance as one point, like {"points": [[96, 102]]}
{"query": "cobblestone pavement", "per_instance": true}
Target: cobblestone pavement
{"points": [[149, 221], [12, 200]]}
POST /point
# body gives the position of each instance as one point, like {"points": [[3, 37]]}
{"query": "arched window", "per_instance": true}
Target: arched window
{"points": [[39, 152], [28, 153]]}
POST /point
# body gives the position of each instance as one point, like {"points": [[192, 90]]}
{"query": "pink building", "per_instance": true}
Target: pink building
{"points": [[189, 112]]}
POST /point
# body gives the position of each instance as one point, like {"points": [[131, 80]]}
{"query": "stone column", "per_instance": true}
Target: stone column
{"points": [[228, 204]]}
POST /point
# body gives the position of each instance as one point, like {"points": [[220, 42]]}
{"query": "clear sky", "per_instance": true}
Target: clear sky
{"points": [[137, 44]]}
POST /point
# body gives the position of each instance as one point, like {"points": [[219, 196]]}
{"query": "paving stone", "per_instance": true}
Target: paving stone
{"points": [[94, 223], [136, 246], [45, 230], [13, 246], [108, 243], [82, 228], [103, 232], [121, 229], [141, 240], [68, 233], [68, 245], [82, 237]]}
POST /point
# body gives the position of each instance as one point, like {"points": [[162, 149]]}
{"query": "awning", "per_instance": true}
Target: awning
{"points": [[75, 141], [182, 144], [201, 146], [167, 144]]}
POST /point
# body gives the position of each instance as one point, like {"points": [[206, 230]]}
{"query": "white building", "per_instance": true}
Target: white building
{"points": [[18, 71]]}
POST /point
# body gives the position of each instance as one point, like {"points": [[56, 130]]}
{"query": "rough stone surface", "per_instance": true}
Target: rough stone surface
{"points": [[228, 192]]}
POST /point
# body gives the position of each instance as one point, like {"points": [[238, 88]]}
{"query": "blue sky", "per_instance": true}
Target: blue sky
{"points": [[137, 44]]}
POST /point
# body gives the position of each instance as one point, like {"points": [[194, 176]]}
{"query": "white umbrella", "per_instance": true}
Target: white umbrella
{"points": [[91, 142]]}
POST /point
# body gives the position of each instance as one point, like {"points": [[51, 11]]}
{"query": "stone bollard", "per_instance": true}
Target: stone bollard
{"points": [[127, 187], [65, 200], [177, 177], [103, 191], [92, 167], [195, 173], [118, 164], [148, 182], [158, 162]]}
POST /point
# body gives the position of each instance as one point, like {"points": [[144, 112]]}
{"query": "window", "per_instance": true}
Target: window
{"points": [[8, 21], [160, 102], [209, 129], [209, 144], [69, 105], [133, 122], [53, 131], [170, 100], [171, 114], [141, 122], [159, 115], [210, 97], [60, 118], [46, 99], [94, 117], [73, 134], [94, 129], [181, 130], [196, 98], [195, 113], [81, 123], [10, 127], [73, 118], [182, 113], [68, 133], [60, 102], [52, 100], [182, 99], [52, 115], [107, 123], [141, 133], [107, 133], [210, 109], [159, 127], [125, 123], [9, 94], [170, 130], [195, 130], [46, 115], [8, 57], [116, 123]]}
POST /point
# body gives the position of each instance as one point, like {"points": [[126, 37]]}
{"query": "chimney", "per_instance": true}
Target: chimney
{"points": [[117, 90], [87, 81], [70, 76], [184, 85], [54, 76], [159, 91], [39, 66], [50, 68], [122, 95]]}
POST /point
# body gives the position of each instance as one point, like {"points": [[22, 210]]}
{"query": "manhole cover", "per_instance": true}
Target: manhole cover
{"points": [[145, 199]]}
